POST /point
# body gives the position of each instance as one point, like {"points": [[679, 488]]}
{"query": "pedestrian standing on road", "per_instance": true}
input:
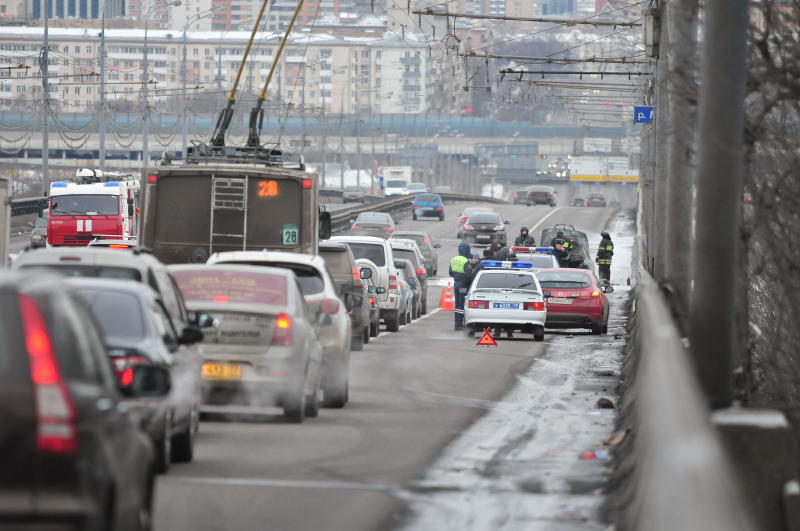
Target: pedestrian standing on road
{"points": [[605, 251], [461, 271], [500, 252], [561, 254], [524, 239]]}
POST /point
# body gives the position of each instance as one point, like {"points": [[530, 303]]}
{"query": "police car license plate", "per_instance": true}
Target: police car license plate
{"points": [[556, 300], [505, 306]]}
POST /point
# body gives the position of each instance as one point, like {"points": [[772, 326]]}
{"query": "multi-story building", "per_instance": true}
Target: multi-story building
{"points": [[382, 74], [13, 10], [72, 9], [558, 7]]}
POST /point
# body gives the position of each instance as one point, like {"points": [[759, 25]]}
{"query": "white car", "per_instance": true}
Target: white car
{"points": [[395, 187], [379, 252], [506, 295], [320, 294], [539, 257], [417, 188]]}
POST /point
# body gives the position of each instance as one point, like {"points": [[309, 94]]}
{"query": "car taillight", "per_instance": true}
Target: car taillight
{"points": [[152, 179], [500, 227], [462, 220], [282, 333], [392, 282], [439, 208], [55, 413], [549, 194], [372, 300], [426, 240], [308, 184], [330, 306], [416, 207], [389, 229], [123, 367], [516, 196], [572, 203], [481, 305], [535, 306], [468, 227], [420, 271], [356, 273], [354, 226]]}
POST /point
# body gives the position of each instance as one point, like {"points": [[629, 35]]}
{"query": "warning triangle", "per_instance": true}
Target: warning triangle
{"points": [[486, 339]]}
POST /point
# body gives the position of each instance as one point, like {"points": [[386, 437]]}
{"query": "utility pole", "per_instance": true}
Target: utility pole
{"points": [[185, 119], [145, 126], [102, 118], [45, 99], [719, 191], [324, 128]]}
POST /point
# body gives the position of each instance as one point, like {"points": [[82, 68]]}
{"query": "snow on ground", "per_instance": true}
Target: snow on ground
{"points": [[520, 465]]}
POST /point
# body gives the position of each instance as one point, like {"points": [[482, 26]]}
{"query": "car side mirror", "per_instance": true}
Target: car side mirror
{"points": [[506, 222], [131, 209], [372, 289], [323, 319], [365, 273], [545, 293], [148, 381], [399, 265], [190, 335], [437, 245], [204, 320], [608, 289], [380, 290], [352, 300], [325, 226]]}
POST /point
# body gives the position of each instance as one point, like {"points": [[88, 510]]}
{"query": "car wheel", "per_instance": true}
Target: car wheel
{"points": [[336, 398], [597, 330], [470, 331], [424, 308], [374, 329], [538, 337], [366, 334], [604, 330], [164, 451], [402, 319], [312, 403], [393, 323], [441, 218], [527, 204], [357, 342], [183, 445], [414, 217], [294, 409]]}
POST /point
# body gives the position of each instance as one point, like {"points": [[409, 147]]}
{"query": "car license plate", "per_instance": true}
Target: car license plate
{"points": [[505, 306], [221, 371], [556, 300], [483, 236]]}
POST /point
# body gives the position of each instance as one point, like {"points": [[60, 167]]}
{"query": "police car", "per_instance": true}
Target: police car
{"points": [[506, 295], [538, 257]]}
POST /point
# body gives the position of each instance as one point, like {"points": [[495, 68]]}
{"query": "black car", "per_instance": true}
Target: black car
{"points": [[74, 455], [596, 200], [138, 330], [485, 228], [578, 202], [541, 195], [519, 197]]}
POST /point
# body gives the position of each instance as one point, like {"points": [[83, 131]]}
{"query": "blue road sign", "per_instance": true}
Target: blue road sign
{"points": [[643, 115]]}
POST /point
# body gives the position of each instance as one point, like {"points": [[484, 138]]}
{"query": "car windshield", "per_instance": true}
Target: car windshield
{"points": [[76, 270], [374, 217], [428, 198], [468, 211], [336, 260], [308, 278], [119, 314], [353, 189], [396, 184], [416, 186], [370, 251], [217, 285], [485, 217], [563, 279], [85, 205], [408, 254], [539, 261], [418, 238], [506, 280], [41, 223]]}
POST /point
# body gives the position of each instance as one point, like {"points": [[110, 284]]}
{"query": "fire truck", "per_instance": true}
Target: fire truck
{"points": [[94, 205]]}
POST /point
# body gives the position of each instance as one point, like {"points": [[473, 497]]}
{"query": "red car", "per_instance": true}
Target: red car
{"points": [[575, 299]]}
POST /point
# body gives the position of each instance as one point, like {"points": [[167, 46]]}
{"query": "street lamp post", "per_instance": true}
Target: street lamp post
{"points": [[146, 91]]}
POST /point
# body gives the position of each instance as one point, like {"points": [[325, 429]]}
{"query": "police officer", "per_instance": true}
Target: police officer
{"points": [[568, 245], [524, 239], [461, 271], [561, 253], [604, 253]]}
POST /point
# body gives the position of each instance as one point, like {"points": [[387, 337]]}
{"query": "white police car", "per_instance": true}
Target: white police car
{"points": [[506, 295], [539, 257]]}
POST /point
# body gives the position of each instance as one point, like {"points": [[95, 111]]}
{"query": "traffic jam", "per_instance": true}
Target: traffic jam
{"points": [[141, 316]]}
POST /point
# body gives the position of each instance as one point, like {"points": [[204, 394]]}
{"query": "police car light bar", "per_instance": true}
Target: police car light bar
{"points": [[532, 249], [495, 264]]}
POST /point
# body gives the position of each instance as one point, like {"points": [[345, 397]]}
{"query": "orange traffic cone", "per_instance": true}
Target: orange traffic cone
{"points": [[447, 299]]}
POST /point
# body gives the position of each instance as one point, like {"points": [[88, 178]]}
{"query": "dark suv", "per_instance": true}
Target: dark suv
{"points": [[74, 456], [347, 278], [541, 195]]}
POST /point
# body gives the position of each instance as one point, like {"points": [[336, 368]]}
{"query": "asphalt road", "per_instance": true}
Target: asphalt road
{"points": [[412, 392]]}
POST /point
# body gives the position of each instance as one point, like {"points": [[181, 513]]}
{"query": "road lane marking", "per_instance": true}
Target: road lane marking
{"points": [[418, 319], [282, 483]]}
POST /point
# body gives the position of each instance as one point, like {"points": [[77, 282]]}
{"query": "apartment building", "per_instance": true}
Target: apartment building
{"points": [[389, 73]]}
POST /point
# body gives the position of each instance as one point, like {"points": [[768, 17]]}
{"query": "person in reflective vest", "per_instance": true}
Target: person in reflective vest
{"points": [[461, 271], [568, 244], [604, 253]]}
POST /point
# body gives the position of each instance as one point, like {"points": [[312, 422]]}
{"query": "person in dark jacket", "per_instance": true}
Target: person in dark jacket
{"points": [[500, 252], [561, 254], [461, 271], [604, 253], [524, 239]]}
